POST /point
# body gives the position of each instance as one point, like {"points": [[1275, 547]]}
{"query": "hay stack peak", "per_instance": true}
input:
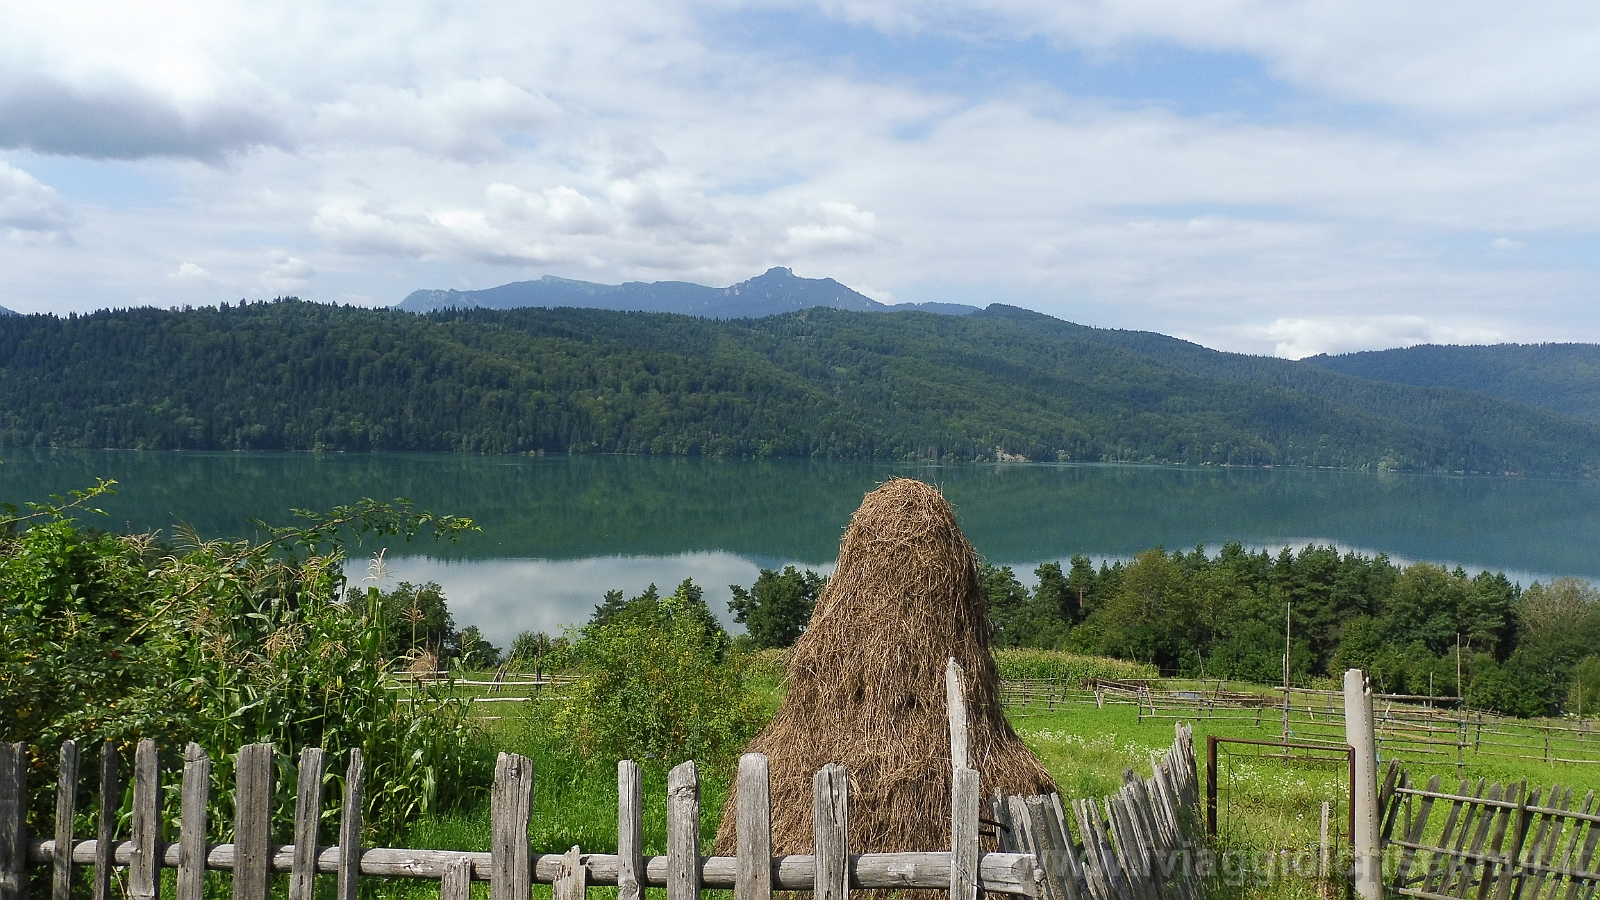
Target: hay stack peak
{"points": [[866, 684]]}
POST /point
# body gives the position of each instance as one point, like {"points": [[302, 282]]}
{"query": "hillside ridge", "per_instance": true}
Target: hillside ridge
{"points": [[997, 384], [1560, 377]]}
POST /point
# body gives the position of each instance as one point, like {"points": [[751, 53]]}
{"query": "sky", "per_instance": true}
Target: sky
{"points": [[1268, 176]]}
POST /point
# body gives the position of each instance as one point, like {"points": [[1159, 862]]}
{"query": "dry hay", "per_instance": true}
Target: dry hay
{"points": [[424, 663], [866, 685]]}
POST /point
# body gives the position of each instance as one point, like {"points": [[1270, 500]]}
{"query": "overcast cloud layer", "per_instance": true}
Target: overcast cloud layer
{"points": [[1275, 177]]}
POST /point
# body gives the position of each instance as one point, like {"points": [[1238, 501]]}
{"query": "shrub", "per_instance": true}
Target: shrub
{"points": [[224, 643], [657, 683]]}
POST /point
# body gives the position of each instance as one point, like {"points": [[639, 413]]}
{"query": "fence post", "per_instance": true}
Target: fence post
{"points": [[1211, 786], [510, 801], [574, 878], [964, 834], [753, 821], [196, 789], [252, 822], [956, 706], [66, 806], [1366, 855], [350, 813], [13, 821], [630, 831], [964, 783], [683, 832], [106, 830], [830, 812], [307, 816], [144, 867]]}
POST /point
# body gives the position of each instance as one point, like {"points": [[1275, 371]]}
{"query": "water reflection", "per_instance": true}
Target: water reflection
{"points": [[560, 531], [505, 596]]}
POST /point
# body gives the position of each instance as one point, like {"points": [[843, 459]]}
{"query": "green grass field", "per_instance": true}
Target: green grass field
{"points": [[1268, 812]]}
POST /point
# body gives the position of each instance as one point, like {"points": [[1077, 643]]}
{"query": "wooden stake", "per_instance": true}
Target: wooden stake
{"points": [[964, 834], [252, 822], [350, 815], [192, 824], [683, 832], [630, 831], [754, 829], [307, 816], [106, 832], [14, 821], [830, 809], [66, 807], [510, 802]]}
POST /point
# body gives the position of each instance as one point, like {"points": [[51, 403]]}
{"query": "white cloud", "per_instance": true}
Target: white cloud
{"points": [[28, 206], [1296, 338], [417, 146], [191, 273], [285, 273]]}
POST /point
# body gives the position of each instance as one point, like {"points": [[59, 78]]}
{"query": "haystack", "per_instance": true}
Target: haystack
{"points": [[866, 684]]}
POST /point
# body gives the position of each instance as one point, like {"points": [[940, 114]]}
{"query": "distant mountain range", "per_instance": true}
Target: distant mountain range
{"points": [[7, 312], [1563, 378], [779, 290]]}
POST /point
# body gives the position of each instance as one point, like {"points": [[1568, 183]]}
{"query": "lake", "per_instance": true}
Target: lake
{"points": [[559, 531]]}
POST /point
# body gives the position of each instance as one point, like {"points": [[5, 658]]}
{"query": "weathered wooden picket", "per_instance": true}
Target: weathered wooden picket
{"points": [[509, 866], [1494, 844], [1140, 849]]}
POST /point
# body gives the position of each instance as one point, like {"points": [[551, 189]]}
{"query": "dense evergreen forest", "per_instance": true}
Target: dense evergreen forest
{"points": [[1525, 653], [1000, 383], [1560, 377], [1522, 652]]}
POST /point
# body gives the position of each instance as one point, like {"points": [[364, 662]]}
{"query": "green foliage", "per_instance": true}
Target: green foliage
{"points": [[473, 652], [529, 648], [224, 643], [1020, 618], [657, 683], [417, 619], [1224, 616], [777, 608], [817, 383]]}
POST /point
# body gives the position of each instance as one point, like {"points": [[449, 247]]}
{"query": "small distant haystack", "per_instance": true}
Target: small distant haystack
{"points": [[866, 684], [424, 663]]}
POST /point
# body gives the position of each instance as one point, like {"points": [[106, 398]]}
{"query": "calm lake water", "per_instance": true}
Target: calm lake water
{"points": [[560, 531]]}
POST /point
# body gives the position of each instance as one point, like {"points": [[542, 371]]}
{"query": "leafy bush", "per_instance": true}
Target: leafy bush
{"points": [[657, 683], [223, 643]]}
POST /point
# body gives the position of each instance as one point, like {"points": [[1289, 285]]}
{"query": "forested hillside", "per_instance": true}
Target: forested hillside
{"points": [[1560, 377], [821, 382]]}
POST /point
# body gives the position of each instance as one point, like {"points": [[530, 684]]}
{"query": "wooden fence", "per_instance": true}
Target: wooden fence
{"points": [[1433, 729], [509, 866], [1504, 843], [1132, 845], [1140, 849]]}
